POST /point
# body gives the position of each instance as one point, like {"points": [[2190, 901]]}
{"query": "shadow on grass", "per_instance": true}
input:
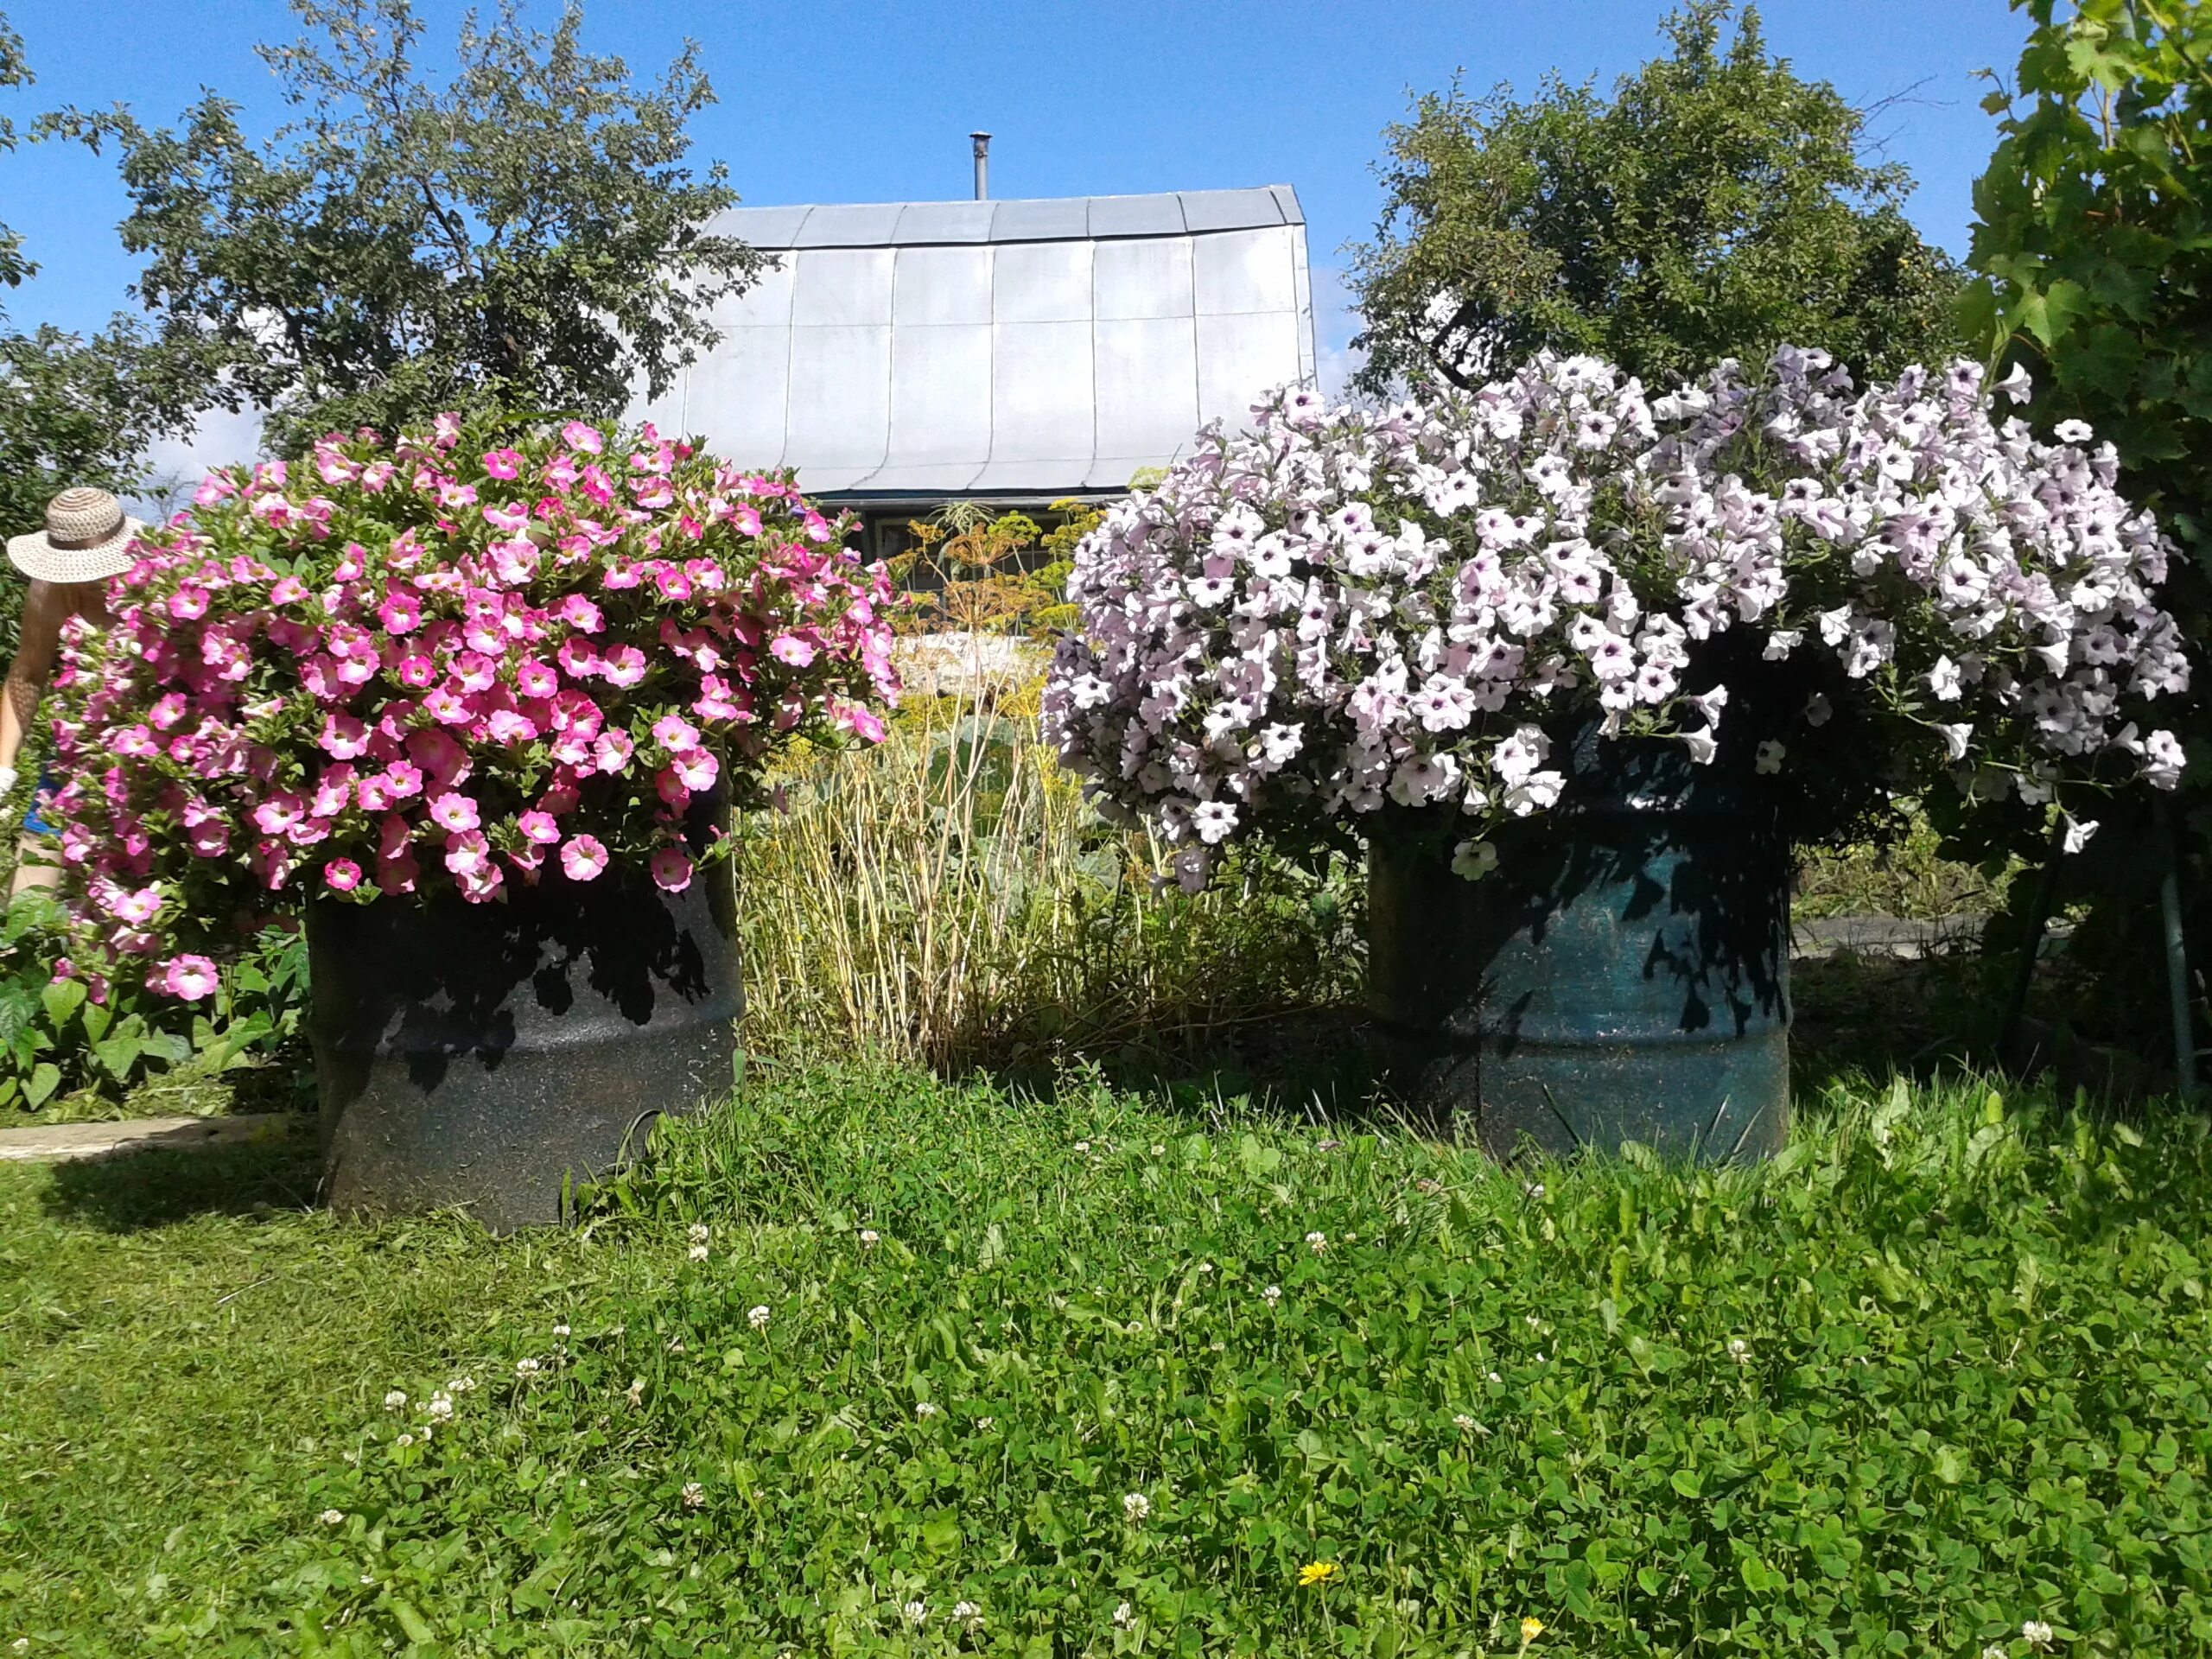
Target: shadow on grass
{"points": [[160, 1188]]}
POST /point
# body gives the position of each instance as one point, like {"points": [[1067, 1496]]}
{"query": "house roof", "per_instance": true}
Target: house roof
{"points": [[914, 352]]}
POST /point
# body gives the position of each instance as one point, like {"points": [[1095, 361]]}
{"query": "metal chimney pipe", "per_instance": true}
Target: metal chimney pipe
{"points": [[982, 141]]}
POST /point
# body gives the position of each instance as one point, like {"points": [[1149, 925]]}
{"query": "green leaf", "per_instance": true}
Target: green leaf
{"points": [[118, 1055], [418, 1629], [62, 997], [45, 1078]]}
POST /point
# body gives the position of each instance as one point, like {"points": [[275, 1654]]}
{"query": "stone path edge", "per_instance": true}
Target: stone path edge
{"points": [[63, 1143]]}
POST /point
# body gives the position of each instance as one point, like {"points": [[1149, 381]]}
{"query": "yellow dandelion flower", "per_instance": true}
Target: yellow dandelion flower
{"points": [[1315, 1573], [1530, 1629]]}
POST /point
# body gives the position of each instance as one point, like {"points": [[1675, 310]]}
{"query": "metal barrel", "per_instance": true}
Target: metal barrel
{"points": [[485, 1056], [1622, 975]]}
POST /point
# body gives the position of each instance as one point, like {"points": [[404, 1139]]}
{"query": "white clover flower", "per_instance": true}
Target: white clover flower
{"points": [[987, 1423], [757, 1317], [396, 1400], [440, 1406], [968, 1614], [698, 1233], [1995, 1650], [1464, 1423], [869, 1238], [526, 1369], [693, 1495], [404, 1439], [1739, 1351], [2036, 1633], [332, 1517], [1135, 1506], [1125, 1616], [1272, 1294], [924, 1410], [915, 1613], [562, 1330], [1317, 1242], [698, 1252], [1083, 1145]]}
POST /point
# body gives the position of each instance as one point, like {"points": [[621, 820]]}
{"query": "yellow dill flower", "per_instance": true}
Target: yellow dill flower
{"points": [[1530, 1629], [1316, 1572]]}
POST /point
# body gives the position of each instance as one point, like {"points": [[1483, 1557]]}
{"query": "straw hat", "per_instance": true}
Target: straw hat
{"points": [[86, 539]]}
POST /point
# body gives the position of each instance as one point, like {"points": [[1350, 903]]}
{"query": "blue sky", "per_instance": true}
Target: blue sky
{"points": [[831, 101]]}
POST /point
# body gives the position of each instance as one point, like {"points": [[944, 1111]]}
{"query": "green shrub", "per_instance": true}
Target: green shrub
{"points": [[1936, 1372], [57, 1037]]}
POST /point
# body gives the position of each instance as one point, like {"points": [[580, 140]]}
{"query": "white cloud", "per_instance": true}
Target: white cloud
{"points": [[1335, 321], [175, 466]]}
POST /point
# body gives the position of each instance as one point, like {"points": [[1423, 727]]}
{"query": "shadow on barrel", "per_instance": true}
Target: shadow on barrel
{"points": [[1622, 975], [490, 1055]]}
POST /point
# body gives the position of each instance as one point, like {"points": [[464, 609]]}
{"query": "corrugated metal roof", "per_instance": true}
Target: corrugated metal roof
{"points": [[933, 349], [1054, 218]]}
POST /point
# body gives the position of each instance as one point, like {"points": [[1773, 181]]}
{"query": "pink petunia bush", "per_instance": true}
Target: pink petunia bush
{"points": [[446, 665], [1343, 612]]}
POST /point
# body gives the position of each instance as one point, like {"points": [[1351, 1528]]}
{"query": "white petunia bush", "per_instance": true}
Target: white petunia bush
{"points": [[1343, 611]]}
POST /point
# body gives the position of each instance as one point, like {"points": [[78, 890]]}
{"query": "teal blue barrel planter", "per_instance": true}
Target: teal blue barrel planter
{"points": [[1622, 975]]}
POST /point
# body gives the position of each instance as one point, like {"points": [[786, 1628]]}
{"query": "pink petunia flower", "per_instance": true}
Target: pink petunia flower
{"points": [[503, 463], [538, 827], [468, 853], [671, 867], [577, 435], [625, 666], [612, 750], [448, 706], [342, 875], [510, 726], [455, 812], [673, 732], [279, 813], [343, 737], [696, 768], [583, 858], [189, 978]]}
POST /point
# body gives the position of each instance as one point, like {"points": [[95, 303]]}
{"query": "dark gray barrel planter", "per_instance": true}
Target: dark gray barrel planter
{"points": [[486, 1056], [1622, 975]]}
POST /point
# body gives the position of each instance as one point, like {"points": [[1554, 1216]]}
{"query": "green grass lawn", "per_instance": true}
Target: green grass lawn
{"points": [[957, 1372]]}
